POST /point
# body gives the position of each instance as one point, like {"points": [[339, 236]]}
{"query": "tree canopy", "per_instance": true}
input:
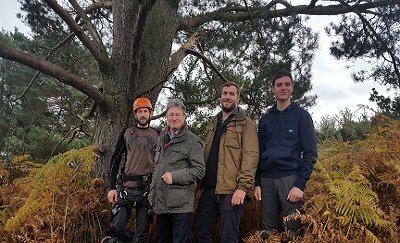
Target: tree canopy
{"points": [[115, 51]]}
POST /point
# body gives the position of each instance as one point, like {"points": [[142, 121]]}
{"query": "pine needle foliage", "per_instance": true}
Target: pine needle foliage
{"points": [[62, 202]]}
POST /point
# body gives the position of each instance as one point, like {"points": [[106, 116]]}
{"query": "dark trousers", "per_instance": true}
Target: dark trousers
{"points": [[173, 227], [124, 207], [275, 206], [212, 206]]}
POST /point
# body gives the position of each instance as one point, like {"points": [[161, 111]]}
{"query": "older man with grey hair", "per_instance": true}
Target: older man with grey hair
{"points": [[179, 164]]}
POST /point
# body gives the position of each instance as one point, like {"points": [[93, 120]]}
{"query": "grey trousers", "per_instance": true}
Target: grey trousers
{"points": [[275, 205]]}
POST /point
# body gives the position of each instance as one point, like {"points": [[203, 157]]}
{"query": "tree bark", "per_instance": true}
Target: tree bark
{"points": [[156, 45], [155, 50]]}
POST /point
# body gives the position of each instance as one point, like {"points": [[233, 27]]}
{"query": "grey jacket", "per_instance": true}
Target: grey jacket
{"points": [[183, 157]]}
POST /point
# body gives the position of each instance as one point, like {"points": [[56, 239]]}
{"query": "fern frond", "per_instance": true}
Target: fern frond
{"points": [[370, 237], [49, 183]]}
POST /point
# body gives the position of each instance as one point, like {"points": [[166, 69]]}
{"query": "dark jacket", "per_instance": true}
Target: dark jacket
{"points": [[287, 144], [183, 157], [238, 154]]}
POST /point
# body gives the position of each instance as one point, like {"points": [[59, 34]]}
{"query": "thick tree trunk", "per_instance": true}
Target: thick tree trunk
{"points": [[156, 46], [110, 122], [155, 50], [107, 128]]}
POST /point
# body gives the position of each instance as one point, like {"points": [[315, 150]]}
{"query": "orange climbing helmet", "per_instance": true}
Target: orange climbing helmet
{"points": [[142, 103]]}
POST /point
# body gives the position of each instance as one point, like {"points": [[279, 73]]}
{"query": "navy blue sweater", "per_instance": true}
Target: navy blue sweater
{"points": [[287, 144]]}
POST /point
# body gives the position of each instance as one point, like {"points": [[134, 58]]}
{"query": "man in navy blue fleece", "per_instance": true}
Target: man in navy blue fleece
{"points": [[288, 151]]}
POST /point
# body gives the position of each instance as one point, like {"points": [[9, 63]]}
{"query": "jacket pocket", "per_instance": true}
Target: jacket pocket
{"points": [[180, 153], [284, 154], [177, 196], [267, 158], [178, 159], [233, 137], [285, 159]]}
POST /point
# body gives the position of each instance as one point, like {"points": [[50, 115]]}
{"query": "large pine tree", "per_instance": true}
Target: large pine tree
{"points": [[135, 48]]}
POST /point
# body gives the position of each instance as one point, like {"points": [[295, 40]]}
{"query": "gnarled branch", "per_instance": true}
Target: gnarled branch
{"points": [[209, 62], [56, 47], [54, 71], [97, 5], [235, 14], [89, 26], [174, 62], [100, 56]]}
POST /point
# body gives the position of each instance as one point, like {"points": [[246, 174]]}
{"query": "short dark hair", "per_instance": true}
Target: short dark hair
{"points": [[280, 74], [229, 84]]}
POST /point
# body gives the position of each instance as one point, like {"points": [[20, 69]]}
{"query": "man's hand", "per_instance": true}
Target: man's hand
{"points": [[257, 193], [167, 177], [238, 197], [295, 195], [112, 196]]}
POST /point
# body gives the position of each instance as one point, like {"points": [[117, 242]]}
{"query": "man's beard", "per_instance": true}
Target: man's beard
{"points": [[228, 109], [143, 124]]}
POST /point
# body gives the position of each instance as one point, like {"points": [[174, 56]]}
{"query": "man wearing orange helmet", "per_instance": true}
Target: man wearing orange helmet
{"points": [[129, 183]]}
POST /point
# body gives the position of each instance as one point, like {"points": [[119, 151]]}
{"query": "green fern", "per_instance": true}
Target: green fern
{"points": [[356, 202]]}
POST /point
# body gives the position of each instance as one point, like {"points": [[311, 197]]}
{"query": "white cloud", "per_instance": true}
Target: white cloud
{"points": [[8, 16], [332, 80]]}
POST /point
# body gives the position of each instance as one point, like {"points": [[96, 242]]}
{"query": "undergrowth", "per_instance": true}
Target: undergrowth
{"points": [[352, 195], [57, 203]]}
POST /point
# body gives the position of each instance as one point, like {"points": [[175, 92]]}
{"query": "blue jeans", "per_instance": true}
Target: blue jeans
{"points": [[212, 206], [173, 227]]}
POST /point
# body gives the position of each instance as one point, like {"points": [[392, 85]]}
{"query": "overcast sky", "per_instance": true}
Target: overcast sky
{"points": [[331, 79]]}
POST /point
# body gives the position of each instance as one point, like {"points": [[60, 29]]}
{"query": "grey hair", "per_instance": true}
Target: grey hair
{"points": [[177, 103]]}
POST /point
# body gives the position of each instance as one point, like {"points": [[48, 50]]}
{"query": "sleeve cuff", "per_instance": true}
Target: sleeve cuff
{"points": [[300, 183]]}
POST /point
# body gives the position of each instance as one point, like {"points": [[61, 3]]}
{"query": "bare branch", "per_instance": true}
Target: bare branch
{"points": [[91, 111], [100, 56], [56, 47], [174, 62], [229, 14], [180, 54], [200, 47], [89, 26], [54, 71], [73, 130], [312, 3], [28, 87], [208, 61], [98, 5]]}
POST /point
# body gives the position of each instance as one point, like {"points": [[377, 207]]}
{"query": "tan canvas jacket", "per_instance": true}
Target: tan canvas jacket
{"points": [[238, 154]]}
